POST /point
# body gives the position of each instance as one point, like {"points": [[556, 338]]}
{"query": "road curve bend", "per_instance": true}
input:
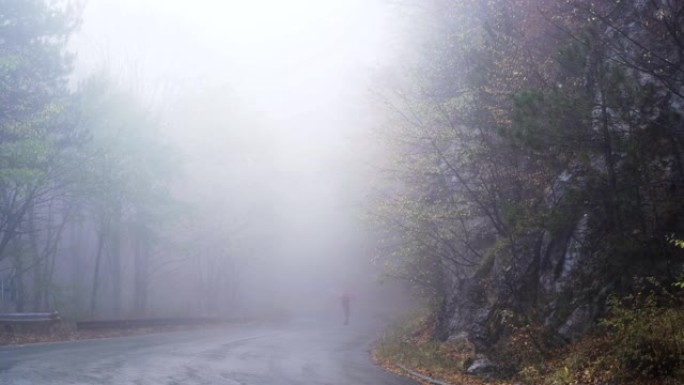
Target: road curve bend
{"points": [[233, 355]]}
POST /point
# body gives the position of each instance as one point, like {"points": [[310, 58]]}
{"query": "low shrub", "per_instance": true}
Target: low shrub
{"points": [[646, 331]]}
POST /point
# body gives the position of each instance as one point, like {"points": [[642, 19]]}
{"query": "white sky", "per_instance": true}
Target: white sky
{"points": [[285, 57], [302, 66]]}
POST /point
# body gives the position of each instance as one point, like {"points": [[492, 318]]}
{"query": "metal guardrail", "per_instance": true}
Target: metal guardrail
{"points": [[28, 318], [10, 320]]}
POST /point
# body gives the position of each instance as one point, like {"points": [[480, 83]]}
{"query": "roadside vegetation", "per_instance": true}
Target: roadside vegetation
{"points": [[639, 342], [116, 190], [409, 345], [536, 170], [68, 332]]}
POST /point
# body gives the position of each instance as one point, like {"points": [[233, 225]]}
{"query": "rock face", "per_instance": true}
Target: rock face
{"points": [[467, 316], [578, 323], [547, 279], [569, 307], [561, 278], [481, 366]]}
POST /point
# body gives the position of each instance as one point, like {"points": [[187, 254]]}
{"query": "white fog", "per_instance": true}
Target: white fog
{"points": [[269, 106]]}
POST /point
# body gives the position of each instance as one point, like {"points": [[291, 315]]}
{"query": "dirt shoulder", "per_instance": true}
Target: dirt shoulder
{"points": [[67, 332]]}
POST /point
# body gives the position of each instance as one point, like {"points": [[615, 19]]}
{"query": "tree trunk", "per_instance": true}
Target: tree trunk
{"points": [[19, 294], [114, 248], [142, 256], [36, 261], [612, 209], [96, 273]]}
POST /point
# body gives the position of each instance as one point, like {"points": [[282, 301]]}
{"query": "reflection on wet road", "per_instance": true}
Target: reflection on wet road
{"points": [[244, 355]]}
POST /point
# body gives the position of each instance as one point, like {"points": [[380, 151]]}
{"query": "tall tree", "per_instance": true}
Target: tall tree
{"points": [[531, 136], [124, 170], [35, 126]]}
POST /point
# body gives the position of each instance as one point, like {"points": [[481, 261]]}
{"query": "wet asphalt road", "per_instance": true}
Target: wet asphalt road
{"points": [[232, 355]]}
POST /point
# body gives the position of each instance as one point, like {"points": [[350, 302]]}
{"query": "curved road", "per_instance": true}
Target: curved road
{"points": [[233, 355]]}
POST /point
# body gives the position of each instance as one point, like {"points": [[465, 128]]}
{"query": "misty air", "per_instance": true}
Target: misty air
{"points": [[341, 192]]}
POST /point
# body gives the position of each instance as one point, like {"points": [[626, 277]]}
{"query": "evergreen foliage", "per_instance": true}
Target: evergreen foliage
{"points": [[538, 160]]}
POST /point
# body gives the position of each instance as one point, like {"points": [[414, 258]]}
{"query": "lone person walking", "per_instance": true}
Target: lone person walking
{"points": [[346, 298]]}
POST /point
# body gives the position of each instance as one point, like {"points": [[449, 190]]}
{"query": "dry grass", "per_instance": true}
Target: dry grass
{"points": [[68, 332], [410, 344], [590, 361]]}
